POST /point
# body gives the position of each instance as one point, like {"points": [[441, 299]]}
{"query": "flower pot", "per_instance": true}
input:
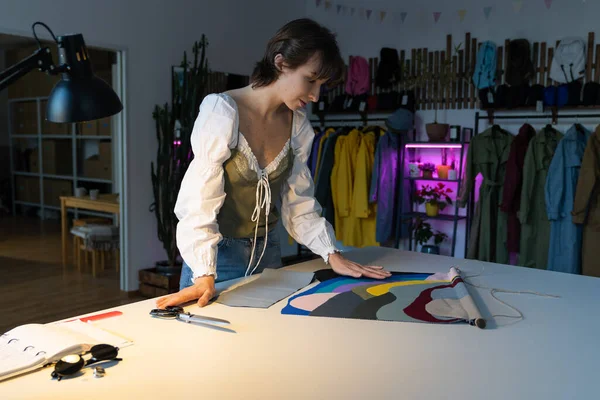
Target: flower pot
{"points": [[430, 249], [432, 210], [452, 174], [442, 171], [427, 174], [437, 132]]}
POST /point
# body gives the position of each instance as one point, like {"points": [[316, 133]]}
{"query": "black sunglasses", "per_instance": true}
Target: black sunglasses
{"points": [[73, 363]]}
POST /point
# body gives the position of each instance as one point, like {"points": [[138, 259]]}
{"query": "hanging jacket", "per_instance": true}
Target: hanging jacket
{"points": [[363, 219], [586, 206], [484, 75], [519, 69], [513, 182], [358, 81], [535, 227], [388, 69], [487, 155], [564, 254], [384, 188]]}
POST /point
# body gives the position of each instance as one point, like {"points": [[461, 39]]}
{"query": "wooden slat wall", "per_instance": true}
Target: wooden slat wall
{"points": [[474, 48], [467, 71]]}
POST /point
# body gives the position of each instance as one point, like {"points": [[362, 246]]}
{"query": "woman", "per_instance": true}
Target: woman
{"points": [[250, 148]]}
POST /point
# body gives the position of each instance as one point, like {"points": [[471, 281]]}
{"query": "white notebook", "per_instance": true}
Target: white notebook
{"points": [[32, 346]]}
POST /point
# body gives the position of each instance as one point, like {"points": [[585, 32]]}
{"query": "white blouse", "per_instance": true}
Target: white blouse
{"points": [[202, 193]]}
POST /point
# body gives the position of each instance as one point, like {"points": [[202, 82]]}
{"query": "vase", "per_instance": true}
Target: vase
{"points": [[430, 249], [432, 210], [428, 174], [442, 171], [437, 132]]}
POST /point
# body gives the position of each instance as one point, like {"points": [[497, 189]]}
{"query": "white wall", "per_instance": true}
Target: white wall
{"points": [[359, 36], [155, 33], [4, 140]]}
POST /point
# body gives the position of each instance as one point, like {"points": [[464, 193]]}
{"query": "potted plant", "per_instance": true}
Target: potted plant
{"points": [[442, 170], [427, 169], [436, 198], [173, 131], [423, 234]]}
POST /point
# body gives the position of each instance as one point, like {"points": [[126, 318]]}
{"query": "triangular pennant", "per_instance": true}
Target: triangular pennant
{"points": [[327, 4], [517, 5], [548, 3], [318, 3], [403, 16], [487, 11], [352, 10], [344, 10], [462, 14], [436, 16], [382, 15], [369, 13], [339, 8]]}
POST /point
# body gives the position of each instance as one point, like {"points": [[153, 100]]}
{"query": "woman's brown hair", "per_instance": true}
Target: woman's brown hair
{"points": [[297, 41]]}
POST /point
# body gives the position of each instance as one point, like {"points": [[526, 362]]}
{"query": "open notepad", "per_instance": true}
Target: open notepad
{"points": [[32, 346]]}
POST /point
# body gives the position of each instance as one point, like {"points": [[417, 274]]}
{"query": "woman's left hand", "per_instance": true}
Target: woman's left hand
{"points": [[343, 266]]}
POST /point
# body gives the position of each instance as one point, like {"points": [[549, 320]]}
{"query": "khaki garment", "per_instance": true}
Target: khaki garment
{"points": [[535, 226], [586, 209], [487, 155], [235, 216]]}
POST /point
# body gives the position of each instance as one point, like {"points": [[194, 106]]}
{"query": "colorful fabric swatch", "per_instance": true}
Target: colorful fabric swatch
{"points": [[405, 296]]}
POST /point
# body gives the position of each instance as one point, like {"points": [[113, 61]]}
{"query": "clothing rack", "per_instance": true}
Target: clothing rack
{"points": [[491, 117], [323, 121]]}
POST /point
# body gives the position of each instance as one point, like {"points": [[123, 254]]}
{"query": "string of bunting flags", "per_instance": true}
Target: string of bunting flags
{"points": [[400, 16]]}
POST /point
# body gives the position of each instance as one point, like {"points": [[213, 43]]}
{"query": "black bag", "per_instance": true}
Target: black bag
{"points": [[388, 70], [591, 91], [535, 93], [516, 96], [519, 69], [388, 100], [501, 98], [574, 90]]}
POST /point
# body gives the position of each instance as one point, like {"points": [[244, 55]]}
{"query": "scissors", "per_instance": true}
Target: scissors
{"points": [[176, 312]]}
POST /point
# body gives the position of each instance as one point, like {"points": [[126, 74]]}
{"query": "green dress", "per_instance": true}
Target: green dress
{"points": [[487, 154], [535, 226]]}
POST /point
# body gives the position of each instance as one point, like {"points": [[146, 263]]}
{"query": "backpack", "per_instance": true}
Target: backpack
{"points": [[388, 69], [484, 75], [358, 80], [568, 63], [519, 68]]}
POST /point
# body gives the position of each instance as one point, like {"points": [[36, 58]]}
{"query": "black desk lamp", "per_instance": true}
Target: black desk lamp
{"points": [[80, 95]]}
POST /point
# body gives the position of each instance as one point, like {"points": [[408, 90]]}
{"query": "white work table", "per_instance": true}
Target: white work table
{"points": [[552, 354]]}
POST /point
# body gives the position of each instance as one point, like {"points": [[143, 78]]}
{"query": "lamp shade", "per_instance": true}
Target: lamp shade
{"points": [[80, 95]]}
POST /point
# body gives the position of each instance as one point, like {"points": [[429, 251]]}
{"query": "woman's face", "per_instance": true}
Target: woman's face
{"points": [[298, 87]]}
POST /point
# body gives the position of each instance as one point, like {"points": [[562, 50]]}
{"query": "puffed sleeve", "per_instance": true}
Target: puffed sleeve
{"points": [[300, 211], [202, 188]]}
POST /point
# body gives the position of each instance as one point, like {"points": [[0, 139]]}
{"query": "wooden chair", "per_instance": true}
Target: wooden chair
{"points": [[98, 256]]}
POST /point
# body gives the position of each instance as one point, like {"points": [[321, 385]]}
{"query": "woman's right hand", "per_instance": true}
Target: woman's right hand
{"points": [[203, 290]]}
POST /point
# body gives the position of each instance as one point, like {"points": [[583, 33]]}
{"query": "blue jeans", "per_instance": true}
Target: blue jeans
{"points": [[233, 256]]}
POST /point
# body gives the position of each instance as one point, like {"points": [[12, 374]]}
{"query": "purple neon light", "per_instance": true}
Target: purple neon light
{"points": [[433, 146]]}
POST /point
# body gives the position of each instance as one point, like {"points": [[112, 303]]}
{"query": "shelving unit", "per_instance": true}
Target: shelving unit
{"points": [[411, 214], [41, 189]]}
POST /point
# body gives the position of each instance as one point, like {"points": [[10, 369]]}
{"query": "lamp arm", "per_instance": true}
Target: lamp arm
{"points": [[41, 59]]}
